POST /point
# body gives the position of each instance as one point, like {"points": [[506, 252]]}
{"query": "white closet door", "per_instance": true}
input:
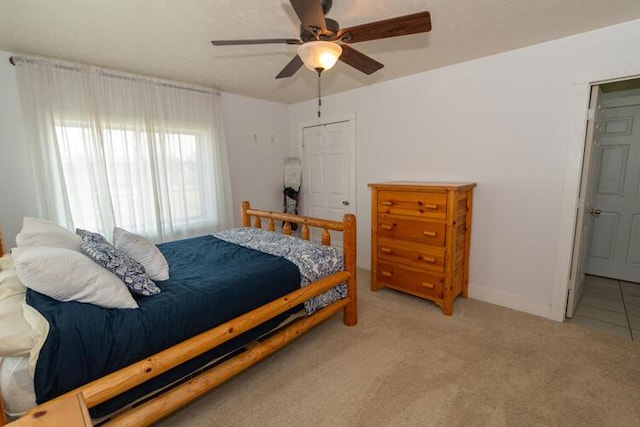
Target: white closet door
{"points": [[328, 184]]}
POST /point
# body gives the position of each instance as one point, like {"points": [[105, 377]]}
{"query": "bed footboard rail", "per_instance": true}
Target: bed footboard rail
{"points": [[347, 226]]}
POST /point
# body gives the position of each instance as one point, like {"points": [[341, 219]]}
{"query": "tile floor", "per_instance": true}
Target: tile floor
{"points": [[610, 305]]}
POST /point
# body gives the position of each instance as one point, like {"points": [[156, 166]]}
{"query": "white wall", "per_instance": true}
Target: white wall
{"points": [[16, 191], [258, 135], [256, 167], [501, 121]]}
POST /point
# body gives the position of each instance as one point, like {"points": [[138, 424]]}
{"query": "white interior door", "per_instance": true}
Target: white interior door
{"points": [[328, 189], [614, 250], [585, 201]]}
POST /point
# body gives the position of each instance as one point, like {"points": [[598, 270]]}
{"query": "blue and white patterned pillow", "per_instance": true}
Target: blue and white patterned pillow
{"points": [[126, 268], [90, 236]]}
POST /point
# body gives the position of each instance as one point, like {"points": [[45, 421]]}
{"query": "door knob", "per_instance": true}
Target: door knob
{"points": [[595, 212], [345, 202]]}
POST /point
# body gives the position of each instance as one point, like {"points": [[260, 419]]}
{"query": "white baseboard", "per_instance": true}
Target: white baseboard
{"points": [[509, 300], [364, 262], [493, 296]]}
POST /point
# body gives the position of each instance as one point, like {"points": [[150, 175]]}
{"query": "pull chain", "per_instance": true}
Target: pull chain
{"points": [[319, 91]]}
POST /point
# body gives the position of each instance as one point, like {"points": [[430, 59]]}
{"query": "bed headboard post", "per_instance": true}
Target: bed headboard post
{"points": [[245, 218], [349, 247]]}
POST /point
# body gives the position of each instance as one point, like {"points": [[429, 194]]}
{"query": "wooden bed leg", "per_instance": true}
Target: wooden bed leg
{"points": [[245, 219], [350, 315]]}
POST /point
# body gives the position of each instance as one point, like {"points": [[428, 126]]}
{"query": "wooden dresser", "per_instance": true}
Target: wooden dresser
{"points": [[420, 237]]}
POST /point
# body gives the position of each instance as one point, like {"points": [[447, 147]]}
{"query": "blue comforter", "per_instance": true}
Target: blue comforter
{"points": [[211, 281]]}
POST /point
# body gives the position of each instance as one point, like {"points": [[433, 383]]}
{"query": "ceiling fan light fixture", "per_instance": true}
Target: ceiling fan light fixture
{"points": [[319, 55]]}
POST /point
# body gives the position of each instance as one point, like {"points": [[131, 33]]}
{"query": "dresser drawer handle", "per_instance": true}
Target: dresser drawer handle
{"points": [[387, 227], [430, 260], [386, 203], [430, 233], [387, 273], [428, 285], [385, 250]]}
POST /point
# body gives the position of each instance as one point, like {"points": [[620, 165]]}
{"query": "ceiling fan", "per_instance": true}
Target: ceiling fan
{"points": [[322, 42]]}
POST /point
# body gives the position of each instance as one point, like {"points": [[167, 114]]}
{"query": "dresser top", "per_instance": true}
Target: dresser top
{"points": [[444, 185]]}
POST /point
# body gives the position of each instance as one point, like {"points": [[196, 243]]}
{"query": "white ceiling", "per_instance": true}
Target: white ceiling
{"points": [[171, 38]]}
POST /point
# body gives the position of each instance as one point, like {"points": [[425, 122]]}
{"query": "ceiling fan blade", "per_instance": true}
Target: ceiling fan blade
{"points": [[359, 60], [254, 41], [401, 26], [291, 68], [310, 13]]}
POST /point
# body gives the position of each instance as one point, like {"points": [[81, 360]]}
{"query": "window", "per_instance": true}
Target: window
{"points": [[150, 178], [114, 149]]}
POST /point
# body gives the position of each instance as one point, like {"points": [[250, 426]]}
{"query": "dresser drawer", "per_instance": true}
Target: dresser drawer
{"points": [[430, 233], [414, 254], [427, 205], [413, 281]]}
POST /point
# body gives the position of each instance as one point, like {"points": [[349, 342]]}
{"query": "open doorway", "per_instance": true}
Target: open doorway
{"points": [[606, 264]]}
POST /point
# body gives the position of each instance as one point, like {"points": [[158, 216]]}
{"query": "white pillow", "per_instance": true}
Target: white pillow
{"points": [[143, 251], [66, 275], [40, 232], [15, 332]]}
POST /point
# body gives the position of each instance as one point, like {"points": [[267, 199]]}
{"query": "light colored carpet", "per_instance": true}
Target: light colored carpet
{"points": [[406, 364]]}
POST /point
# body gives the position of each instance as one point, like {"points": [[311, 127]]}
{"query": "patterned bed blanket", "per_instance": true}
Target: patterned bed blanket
{"points": [[314, 260]]}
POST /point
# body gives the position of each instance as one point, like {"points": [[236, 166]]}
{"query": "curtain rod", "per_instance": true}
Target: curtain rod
{"points": [[117, 74]]}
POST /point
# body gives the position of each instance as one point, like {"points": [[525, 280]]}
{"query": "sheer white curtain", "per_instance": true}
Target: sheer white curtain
{"points": [[110, 148]]}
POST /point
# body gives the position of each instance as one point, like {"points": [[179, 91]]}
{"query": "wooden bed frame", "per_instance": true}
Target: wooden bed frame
{"points": [[111, 385]]}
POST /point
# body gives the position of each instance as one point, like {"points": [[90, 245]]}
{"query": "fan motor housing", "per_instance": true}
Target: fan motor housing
{"points": [[328, 35]]}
